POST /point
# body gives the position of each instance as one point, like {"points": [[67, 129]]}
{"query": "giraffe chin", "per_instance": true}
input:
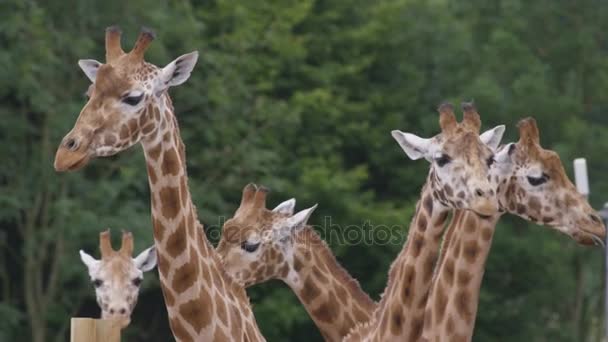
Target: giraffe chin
{"points": [[120, 322], [70, 160], [484, 208], [124, 322]]}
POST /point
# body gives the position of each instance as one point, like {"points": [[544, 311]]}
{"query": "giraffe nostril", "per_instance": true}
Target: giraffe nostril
{"points": [[71, 144], [478, 192], [111, 311], [123, 311], [595, 219]]}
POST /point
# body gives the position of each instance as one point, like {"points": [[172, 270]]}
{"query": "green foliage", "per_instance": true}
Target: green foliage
{"points": [[299, 96]]}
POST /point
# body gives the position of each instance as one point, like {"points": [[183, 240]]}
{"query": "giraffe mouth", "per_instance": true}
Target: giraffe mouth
{"points": [[484, 208], [589, 239], [66, 160], [485, 217], [598, 241]]}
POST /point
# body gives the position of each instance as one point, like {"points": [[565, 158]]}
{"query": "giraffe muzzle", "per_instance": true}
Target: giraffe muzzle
{"points": [[589, 239], [485, 206], [71, 155]]}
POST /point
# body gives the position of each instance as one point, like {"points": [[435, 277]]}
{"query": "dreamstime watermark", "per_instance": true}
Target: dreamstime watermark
{"points": [[365, 233]]}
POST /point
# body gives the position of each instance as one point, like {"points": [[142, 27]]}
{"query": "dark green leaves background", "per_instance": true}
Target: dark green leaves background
{"points": [[299, 96]]}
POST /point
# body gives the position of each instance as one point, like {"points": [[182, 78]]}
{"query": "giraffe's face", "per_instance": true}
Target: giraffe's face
{"points": [[256, 248], [126, 102], [532, 183], [460, 163], [115, 116], [116, 279]]}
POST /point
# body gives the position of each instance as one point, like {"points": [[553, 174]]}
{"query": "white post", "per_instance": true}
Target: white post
{"points": [[580, 176]]}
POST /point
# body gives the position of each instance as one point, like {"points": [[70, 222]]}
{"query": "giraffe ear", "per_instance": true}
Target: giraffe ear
{"points": [[414, 146], [503, 156], [300, 219], [178, 71], [295, 222], [146, 260], [88, 260], [286, 207], [493, 137], [90, 67]]}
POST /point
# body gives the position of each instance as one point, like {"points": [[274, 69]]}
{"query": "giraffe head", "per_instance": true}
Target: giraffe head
{"points": [[460, 159], [117, 276], [257, 243], [124, 101], [532, 183]]}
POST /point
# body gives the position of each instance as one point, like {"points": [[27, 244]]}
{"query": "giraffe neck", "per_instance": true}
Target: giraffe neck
{"points": [[452, 305], [203, 303], [400, 314], [333, 298]]}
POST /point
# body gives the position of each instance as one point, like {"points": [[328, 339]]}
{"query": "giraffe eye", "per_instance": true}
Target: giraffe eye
{"points": [[97, 282], [535, 181], [490, 161], [137, 282], [442, 160], [250, 247], [133, 100]]}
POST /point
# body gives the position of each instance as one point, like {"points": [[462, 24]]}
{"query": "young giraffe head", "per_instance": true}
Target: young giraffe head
{"points": [[117, 276], [460, 159], [124, 101], [533, 184], [257, 243]]}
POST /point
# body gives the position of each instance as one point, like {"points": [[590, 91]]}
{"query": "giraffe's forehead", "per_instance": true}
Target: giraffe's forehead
{"points": [[548, 161], [115, 80], [466, 144], [118, 268], [111, 82], [235, 232], [243, 227], [553, 164]]}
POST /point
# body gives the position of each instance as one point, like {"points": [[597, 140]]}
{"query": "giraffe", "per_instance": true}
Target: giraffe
{"points": [[458, 179], [129, 103], [258, 245], [117, 276], [531, 183]]}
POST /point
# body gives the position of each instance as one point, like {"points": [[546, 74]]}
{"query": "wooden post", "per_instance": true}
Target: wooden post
{"points": [[94, 330]]}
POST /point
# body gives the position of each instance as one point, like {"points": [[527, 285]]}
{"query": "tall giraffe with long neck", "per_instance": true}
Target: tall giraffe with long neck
{"points": [[458, 179], [531, 183], [129, 103], [258, 245]]}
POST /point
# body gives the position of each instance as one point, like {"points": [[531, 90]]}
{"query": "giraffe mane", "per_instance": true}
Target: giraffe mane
{"points": [[390, 279], [309, 236], [359, 328]]}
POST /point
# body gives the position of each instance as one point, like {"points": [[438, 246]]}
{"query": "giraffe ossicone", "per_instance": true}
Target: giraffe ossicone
{"points": [[117, 276]]}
